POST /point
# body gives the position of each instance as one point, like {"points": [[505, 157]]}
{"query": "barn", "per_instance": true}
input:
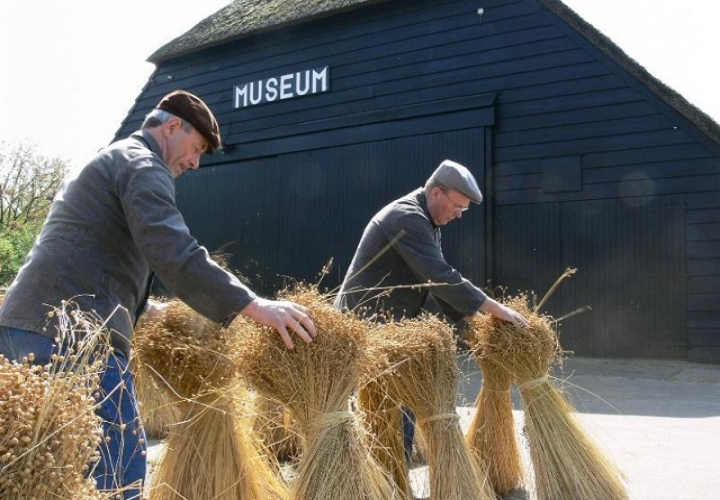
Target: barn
{"points": [[331, 108]]}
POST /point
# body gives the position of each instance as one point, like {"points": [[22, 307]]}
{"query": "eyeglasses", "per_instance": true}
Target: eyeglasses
{"points": [[461, 208]]}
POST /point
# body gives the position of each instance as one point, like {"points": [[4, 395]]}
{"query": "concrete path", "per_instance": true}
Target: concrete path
{"points": [[659, 421]]}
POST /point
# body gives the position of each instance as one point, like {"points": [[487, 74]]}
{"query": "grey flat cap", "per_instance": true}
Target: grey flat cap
{"points": [[453, 175]]}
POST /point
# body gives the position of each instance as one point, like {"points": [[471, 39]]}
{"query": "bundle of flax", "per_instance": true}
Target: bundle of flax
{"points": [[159, 407], [184, 351], [491, 434], [208, 455], [315, 381], [418, 359], [276, 428], [383, 419], [567, 464], [49, 432]]}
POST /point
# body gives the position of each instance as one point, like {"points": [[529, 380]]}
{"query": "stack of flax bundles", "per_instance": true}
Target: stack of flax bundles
{"points": [[415, 362], [567, 464], [209, 454], [49, 432], [315, 380]]}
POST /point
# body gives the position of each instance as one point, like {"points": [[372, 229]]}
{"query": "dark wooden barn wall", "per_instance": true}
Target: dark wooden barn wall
{"points": [[630, 263], [285, 217], [389, 119], [562, 106], [636, 157]]}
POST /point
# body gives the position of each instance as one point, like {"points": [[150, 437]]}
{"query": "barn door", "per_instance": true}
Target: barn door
{"points": [[631, 271], [329, 195]]}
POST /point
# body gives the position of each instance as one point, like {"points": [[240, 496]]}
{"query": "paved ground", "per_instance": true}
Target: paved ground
{"points": [[659, 421]]}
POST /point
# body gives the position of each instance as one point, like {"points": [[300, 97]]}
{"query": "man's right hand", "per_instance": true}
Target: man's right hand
{"points": [[504, 313], [283, 316]]}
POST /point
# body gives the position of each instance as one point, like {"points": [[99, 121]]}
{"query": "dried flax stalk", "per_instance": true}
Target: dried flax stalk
{"points": [[214, 456], [49, 432], [276, 427], [316, 380], [159, 407], [567, 464], [383, 418], [418, 359], [184, 351], [491, 434], [206, 455]]}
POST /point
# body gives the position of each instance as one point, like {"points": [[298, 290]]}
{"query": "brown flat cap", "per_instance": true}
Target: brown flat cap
{"points": [[455, 176], [192, 109]]}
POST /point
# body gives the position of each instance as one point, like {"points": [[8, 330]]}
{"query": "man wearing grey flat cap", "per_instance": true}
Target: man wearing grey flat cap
{"points": [[113, 226], [401, 247]]}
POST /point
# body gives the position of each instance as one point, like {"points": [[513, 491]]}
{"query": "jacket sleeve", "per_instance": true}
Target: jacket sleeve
{"points": [[159, 230], [419, 246]]}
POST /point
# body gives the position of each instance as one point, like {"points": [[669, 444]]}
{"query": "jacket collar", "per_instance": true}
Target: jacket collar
{"points": [[146, 138], [422, 201]]}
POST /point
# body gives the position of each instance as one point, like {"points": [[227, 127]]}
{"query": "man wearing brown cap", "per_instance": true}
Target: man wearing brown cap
{"points": [[401, 247], [114, 225]]}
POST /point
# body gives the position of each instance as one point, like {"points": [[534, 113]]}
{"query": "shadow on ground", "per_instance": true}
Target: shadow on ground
{"points": [[658, 388]]}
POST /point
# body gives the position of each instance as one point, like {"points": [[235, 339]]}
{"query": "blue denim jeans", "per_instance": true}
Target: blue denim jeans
{"points": [[122, 453], [17, 344]]}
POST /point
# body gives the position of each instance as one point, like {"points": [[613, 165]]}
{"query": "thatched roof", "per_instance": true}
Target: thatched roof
{"points": [[682, 105], [243, 18]]}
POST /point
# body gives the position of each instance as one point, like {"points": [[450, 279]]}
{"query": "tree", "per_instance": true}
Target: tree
{"points": [[28, 182]]}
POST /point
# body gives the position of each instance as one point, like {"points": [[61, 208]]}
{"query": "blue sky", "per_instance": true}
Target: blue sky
{"points": [[71, 70]]}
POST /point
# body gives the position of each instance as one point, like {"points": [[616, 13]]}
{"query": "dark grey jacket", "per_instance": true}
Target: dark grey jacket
{"points": [[111, 223], [401, 247]]}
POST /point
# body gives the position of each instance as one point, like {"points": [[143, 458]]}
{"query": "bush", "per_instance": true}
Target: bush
{"points": [[28, 182], [16, 240]]}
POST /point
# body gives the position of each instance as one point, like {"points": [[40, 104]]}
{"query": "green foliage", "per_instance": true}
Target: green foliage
{"points": [[28, 182], [16, 240]]}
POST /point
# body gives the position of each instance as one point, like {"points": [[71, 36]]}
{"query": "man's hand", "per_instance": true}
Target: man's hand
{"points": [[283, 316], [504, 313], [513, 317], [154, 311]]}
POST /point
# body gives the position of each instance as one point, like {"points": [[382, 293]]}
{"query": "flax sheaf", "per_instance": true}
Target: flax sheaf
{"points": [[383, 418], [49, 432], [417, 360], [315, 380], [159, 407], [277, 429], [491, 434], [208, 452], [567, 464]]}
